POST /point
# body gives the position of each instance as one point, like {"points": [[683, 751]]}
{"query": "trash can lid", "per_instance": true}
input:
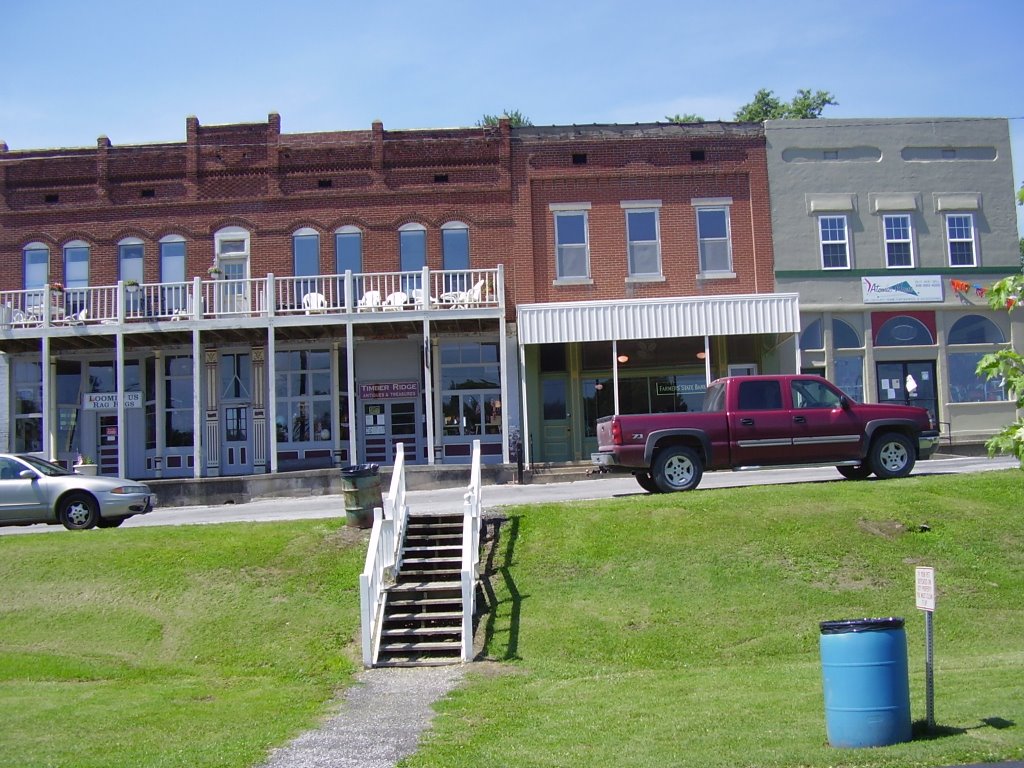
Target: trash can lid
{"points": [[360, 470], [861, 625]]}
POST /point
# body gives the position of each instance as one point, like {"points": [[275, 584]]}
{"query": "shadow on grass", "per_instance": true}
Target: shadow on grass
{"points": [[921, 731], [499, 539]]}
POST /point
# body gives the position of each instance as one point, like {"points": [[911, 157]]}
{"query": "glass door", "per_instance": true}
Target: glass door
{"points": [[556, 427], [908, 383]]}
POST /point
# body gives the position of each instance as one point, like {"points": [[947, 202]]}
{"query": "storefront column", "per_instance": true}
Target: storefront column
{"points": [[160, 406], [615, 377], [49, 404], [212, 440], [122, 428], [350, 361], [259, 411], [525, 401], [272, 397], [197, 402], [428, 388], [503, 378]]}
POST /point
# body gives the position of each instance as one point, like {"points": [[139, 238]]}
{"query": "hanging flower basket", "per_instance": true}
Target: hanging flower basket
{"points": [[215, 272]]}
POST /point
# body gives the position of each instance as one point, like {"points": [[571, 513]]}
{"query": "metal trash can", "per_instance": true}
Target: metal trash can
{"points": [[360, 484], [867, 690]]}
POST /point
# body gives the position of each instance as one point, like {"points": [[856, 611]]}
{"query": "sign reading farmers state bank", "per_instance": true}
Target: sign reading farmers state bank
{"points": [[901, 289]]}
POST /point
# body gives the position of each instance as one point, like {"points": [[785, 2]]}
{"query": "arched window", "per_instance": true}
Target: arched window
{"points": [[844, 336], [306, 262], [76, 275], [412, 247], [812, 337], [903, 331], [975, 329], [455, 255], [37, 265], [130, 253], [174, 291], [348, 249]]}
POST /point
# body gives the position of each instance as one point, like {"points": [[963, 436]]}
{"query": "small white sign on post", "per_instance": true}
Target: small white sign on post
{"points": [[925, 588]]}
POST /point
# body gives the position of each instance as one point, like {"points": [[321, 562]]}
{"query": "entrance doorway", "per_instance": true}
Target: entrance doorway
{"points": [[106, 429], [908, 383], [556, 427], [385, 423]]}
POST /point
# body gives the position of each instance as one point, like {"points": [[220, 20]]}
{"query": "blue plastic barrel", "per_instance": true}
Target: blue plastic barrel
{"points": [[867, 692]]}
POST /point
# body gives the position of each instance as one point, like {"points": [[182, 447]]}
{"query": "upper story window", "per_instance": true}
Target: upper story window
{"points": [[835, 246], [713, 235], [455, 256], [306, 252], [899, 249], [960, 237], [174, 291], [572, 241], [412, 246], [348, 249], [643, 237], [130, 253], [76, 264], [37, 265]]}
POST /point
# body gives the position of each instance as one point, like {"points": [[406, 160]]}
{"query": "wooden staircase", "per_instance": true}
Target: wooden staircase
{"points": [[423, 610]]}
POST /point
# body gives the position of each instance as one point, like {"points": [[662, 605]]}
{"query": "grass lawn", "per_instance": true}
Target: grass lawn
{"points": [[668, 630]]}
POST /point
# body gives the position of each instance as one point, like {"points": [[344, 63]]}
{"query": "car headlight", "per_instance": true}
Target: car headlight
{"points": [[131, 489]]}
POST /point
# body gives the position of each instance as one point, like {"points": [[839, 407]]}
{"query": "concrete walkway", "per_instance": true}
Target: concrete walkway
{"points": [[377, 723]]}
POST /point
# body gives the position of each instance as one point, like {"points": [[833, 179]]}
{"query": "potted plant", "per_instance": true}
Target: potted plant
{"points": [[57, 288], [131, 286], [214, 272], [85, 465]]}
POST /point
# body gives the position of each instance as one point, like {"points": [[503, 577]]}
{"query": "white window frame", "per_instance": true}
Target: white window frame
{"points": [[908, 240], [566, 210], [973, 239], [224, 255], [643, 206], [714, 204], [845, 242]]}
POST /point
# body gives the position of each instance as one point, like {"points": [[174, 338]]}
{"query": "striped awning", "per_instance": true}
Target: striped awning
{"points": [[561, 322]]}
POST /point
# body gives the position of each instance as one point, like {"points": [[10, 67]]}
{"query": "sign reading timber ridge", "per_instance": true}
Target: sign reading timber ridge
{"points": [[900, 289]]}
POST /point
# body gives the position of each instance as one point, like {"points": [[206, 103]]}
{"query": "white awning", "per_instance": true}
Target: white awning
{"points": [[560, 322]]}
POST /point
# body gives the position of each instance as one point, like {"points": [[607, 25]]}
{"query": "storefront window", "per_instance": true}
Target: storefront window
{"points": [[849, 376], [966, 386], [28, 407], [470, 389], [179, 388], [304, 396]]}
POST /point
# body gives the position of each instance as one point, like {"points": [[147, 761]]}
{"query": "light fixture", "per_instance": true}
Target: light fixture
{"points": [[598, 385], [701, 355], [623, 358]]}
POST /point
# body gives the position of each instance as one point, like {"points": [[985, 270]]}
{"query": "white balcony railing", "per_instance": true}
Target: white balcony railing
{"points": [[424, 290]]}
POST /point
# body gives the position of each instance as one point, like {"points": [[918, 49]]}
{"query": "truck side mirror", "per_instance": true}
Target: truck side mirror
{"points": [[844, 403]]}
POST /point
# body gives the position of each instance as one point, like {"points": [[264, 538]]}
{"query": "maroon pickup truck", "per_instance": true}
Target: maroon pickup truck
{"points": [[763, 421]]}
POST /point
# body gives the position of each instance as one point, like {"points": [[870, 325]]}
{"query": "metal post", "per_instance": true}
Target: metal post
{"points": [[929, 670]]}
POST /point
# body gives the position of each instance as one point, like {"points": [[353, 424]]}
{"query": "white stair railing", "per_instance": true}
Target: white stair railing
{"points": [[382, 557], [472, 508]]}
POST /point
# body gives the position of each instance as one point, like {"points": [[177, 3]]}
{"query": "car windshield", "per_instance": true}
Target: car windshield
{"points": [[45, 467]]}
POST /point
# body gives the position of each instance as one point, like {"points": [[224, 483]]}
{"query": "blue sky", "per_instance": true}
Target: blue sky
{"points": [[71, 71]]}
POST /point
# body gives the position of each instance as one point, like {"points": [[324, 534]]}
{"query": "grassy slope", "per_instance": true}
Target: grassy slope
{"points": [[641, 631], [191, 646], [683, 630]]}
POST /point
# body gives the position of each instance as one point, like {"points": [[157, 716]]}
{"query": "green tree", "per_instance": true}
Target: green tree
{"points": [[766, 105], [515, 118], [689, 117], [1008, 367]]}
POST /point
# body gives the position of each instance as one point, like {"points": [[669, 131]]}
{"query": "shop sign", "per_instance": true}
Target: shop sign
{"points": [[393, 390], [679, 388], [104, 401], [901, 289]]}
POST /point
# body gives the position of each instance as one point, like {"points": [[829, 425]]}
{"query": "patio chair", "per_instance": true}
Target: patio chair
{"points": [[76, 318], [464, 298], [314, 302], [396, 300], [370, 301]]}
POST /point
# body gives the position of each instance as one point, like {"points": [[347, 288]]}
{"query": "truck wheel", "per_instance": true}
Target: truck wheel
{"points": [[859, 472], [647, 482], [892, 455], [677, 468]]}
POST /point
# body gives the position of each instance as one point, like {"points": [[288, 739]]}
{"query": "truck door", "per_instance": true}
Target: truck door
{"points": [[760, 428], [822, 429]]}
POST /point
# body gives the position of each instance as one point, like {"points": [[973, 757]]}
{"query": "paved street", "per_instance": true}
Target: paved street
{"points": [[598, 487]]}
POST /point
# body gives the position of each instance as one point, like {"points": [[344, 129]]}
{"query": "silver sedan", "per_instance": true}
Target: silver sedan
{"points": [[36, 491]]}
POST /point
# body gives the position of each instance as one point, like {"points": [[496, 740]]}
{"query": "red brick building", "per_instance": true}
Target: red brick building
{"points": [[250, 301]]}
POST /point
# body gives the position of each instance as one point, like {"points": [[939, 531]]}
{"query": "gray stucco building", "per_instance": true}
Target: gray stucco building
{"points": [[890, 230]]}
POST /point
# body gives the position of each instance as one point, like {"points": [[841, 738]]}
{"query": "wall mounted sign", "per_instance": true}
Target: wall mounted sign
{"points": [[392, 390], [901, 289], [103, 401]]}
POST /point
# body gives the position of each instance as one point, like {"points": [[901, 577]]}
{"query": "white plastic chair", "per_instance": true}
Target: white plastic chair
{"points": [[314, 302], [464, 298], [370, 301], [77, 318], [396, 300]]}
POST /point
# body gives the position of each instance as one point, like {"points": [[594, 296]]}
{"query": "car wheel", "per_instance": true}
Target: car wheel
{"points": [[78, 511], [677, 468], [859, 472], [647, 482], [892, 455], [110, 522]]}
